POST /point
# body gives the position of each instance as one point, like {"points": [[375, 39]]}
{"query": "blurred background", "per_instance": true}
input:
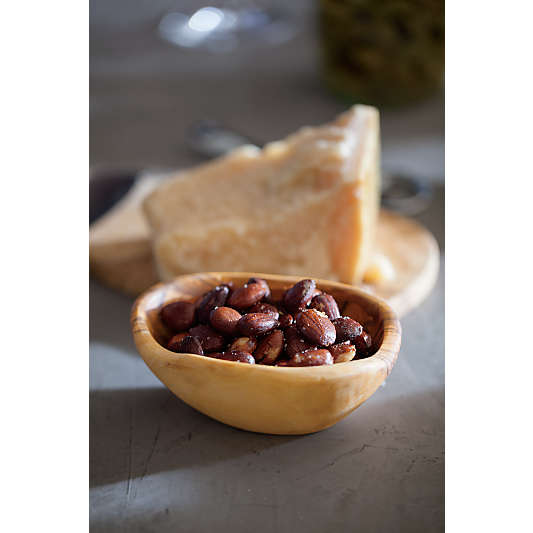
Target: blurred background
{"points": [[263, 69]]}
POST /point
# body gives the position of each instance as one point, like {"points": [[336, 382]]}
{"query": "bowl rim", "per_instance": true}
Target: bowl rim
{"points": [[383, 359]]}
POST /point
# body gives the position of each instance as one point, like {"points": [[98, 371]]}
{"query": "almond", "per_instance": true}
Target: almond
{"points": [[247, 295], [363, 343], [243, 344], [285, 321], [299, 295], [214, 298], [263, 282], [294, 342], [175, 341], [312, 357], [262, 307], [253, 324], [342, 352], [347, 329], [316, 327], [225, 319], [178, 316], [270, 348], [237, 356], [210, 340], [191, 344], [326, 303]]}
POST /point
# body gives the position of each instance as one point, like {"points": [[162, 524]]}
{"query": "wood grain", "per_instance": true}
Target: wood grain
{"points": [[265, 399], [414, 255]]}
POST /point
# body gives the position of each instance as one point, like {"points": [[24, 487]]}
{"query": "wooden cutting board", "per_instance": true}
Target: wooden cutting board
{"points": [[121, 257]]}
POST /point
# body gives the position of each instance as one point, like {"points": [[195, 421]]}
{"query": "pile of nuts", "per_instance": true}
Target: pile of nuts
{"points": [[244, 324]]}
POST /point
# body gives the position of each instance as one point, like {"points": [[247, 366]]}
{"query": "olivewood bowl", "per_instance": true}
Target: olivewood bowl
{"points": [[267, 399]]}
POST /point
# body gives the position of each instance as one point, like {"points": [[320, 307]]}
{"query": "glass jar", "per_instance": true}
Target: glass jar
{"points": [[383, 52]]}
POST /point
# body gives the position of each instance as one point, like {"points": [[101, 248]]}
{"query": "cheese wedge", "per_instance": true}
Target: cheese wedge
{"points": [[306, 206]]}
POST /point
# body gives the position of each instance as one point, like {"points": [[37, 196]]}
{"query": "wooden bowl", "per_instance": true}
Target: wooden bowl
{"points": [[267, 399]]}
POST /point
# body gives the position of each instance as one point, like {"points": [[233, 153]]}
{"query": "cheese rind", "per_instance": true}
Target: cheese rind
{"points": [[306, 206]]}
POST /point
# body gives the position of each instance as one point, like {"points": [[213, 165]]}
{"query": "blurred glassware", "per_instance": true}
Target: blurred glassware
{"points": [[385, 52], [223, 26]]}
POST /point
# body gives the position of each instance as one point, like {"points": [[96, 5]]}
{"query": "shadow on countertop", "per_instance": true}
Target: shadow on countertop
{"points": [[138, 432], [148, 446]]}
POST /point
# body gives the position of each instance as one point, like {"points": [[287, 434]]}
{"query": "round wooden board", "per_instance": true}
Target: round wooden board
{"points": [[124, 261], [414, 254]]}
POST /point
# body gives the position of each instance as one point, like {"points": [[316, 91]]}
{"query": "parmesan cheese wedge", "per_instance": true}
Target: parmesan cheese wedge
{"points": [[306, 205]]}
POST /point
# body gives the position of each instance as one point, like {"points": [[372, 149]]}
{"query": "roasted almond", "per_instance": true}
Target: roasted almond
{"points": [[285, 321], [363, 343], [174, 343], [299, 295], [269, 348], [347, 329], [342, 352], [247, 295], [326, 303], [190, 344], [210, 340], [237, 356], [214, 298], [225, 319], [294, 342], [316, 327], [243, 344], [311, 357], [263, 282], [178, 316], [253, 324], [262, 307], [230, 285]]}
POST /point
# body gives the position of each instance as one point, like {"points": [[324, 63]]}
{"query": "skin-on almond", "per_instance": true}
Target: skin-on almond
{"points": [[326, 303], [299, 295], [270, 348], [342, 352], [225, 319], [285, 321], [347, 329], [211, 340], [363, 343], [316, 327], [178, 316], [262, 282], [247, 295], [294, 342], [243, 344], [175, 342], [191, 344], [263, 307], [214, 298], [254, 324], [237, 356], [311, 357]]}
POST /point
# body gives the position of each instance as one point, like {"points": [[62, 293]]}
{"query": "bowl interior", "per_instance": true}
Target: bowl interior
{"points": [[366, 309]]}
